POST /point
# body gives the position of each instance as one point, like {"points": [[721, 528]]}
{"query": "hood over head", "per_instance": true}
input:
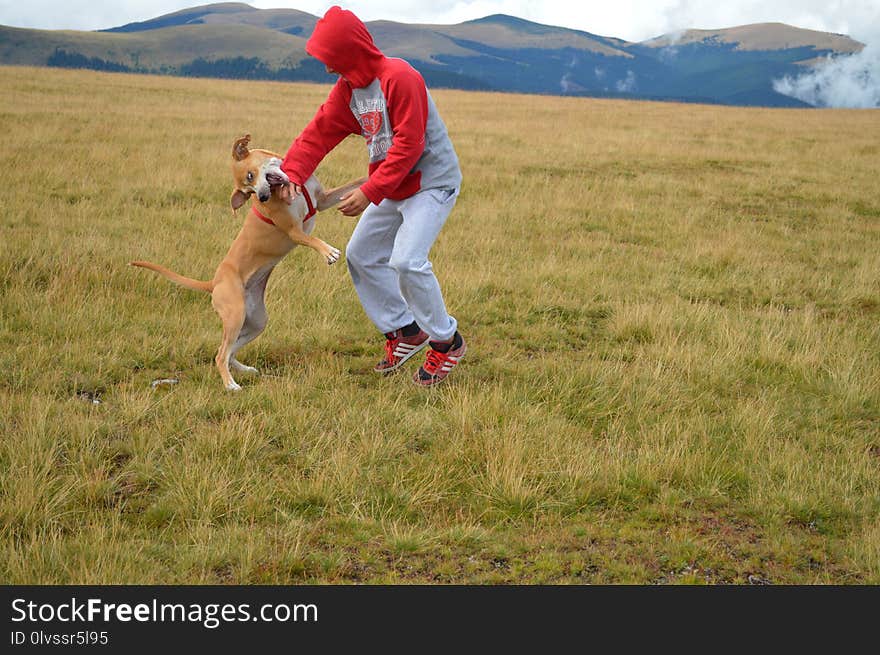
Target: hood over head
{"points": [[342, 42]]}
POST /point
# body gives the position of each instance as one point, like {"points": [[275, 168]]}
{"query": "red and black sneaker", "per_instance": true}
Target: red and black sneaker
{"points": [[441, 359], [399, 348]]}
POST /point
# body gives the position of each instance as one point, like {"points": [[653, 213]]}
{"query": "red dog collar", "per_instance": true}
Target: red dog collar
{"points": [[312, 211], [265, 219]]}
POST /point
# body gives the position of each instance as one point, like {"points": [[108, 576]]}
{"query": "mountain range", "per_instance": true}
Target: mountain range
{"points": [[733, 66]]}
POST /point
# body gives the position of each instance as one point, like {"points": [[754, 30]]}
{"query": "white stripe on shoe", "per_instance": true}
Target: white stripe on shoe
{"points": [[402, 353], [449, 364], [405, 349]]}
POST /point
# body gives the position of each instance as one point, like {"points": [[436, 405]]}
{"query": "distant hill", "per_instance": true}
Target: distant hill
{"points": [[234, 40], [761, 36], [289, 21]]}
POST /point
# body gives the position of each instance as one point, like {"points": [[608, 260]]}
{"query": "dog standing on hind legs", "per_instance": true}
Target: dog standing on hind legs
{"points": [[271, 229]]}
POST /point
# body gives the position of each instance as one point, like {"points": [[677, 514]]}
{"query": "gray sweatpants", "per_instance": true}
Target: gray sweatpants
{"points": [[387, 257]]}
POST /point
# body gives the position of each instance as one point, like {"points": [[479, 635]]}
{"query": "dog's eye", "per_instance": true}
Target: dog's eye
{"points": [[250, 176]]}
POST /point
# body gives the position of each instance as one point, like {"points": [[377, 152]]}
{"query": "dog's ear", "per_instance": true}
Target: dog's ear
{"points": [[238, 198], [240, 148]]}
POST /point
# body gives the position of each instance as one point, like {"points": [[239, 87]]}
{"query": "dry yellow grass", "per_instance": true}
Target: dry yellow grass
{"points": [[674, 371]]}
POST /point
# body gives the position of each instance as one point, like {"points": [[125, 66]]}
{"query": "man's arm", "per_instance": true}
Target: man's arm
{"points": [[331, 124]]}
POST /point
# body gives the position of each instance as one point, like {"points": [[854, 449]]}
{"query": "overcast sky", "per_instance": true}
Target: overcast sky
{"points": [[634, 20]]}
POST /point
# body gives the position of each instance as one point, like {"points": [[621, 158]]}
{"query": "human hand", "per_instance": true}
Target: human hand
{"points": [[287, 192], [353, 203]]}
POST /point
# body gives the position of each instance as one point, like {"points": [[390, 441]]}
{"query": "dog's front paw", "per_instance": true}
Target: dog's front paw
{"points": [[333, 256], [233, 386]]}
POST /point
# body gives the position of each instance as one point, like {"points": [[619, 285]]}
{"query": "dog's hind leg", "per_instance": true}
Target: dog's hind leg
{"points": [[255, 317], [252, 328], [249, 332], [236, 365], [228, 301]]}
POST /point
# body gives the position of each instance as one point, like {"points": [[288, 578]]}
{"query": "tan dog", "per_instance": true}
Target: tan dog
{"points": [[271, 229]]}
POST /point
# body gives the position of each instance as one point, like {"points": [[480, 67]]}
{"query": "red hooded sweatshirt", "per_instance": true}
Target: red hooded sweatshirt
{"points": [[385, 100]]}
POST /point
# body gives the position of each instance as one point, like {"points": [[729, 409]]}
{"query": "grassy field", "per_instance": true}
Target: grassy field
{"points": [[673, 315]]}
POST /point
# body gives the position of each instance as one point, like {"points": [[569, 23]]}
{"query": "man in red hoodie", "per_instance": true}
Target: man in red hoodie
{"points": [[414, 180]]}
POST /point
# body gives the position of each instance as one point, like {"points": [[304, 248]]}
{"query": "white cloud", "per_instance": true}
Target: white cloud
{"points": [[84, 14], [851, 81], [628, 84]]}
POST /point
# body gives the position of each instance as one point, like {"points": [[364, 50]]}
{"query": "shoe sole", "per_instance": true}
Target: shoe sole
{"points": [[403, 360], [418, 382]]}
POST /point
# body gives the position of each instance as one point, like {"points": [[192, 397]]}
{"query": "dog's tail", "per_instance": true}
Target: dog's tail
{"points": [[189, 283]]}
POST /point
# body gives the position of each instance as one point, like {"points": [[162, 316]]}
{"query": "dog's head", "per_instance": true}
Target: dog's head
{"points": [[254, 171]]}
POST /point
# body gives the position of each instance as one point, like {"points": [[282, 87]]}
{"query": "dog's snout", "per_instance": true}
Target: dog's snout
{"points": [[264, 197]]}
